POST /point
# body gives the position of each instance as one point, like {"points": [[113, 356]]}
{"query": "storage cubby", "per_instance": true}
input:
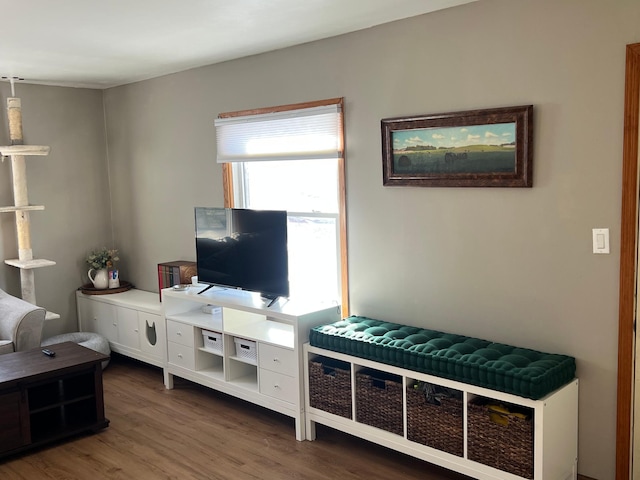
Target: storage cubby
{"points": [[46, 423], [242, 374], [210, 364], [57, 392], [42, 396], [435, 416], [60, 405], [260, 359], [330, 386], [501, 435], [78, 386], [482, 433], [57, 421], [379, 400], [209, 353]]}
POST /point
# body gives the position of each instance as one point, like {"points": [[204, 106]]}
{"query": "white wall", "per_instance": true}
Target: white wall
{"points": [[71, 182], [509, 265]]}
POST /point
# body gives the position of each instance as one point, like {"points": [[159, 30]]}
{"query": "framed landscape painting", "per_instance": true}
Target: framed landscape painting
{"points": [[476, 148]]}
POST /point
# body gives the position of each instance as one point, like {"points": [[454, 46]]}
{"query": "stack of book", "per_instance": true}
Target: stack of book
{"points": [[175, 273]]}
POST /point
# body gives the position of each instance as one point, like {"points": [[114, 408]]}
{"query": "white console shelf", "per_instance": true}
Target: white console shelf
{"points": [[260, 358], [132, 321], [554, 417]]}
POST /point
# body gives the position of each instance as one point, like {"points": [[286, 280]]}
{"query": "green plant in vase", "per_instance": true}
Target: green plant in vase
{"points": [[101, 261]]}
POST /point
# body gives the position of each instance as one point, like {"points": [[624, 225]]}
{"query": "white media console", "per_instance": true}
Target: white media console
{"points": [[224, 339], [132, 321], [230, 341]]}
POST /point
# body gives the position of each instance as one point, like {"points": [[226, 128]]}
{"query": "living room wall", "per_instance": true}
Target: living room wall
{"points": [[72, 184], [510, 265]]}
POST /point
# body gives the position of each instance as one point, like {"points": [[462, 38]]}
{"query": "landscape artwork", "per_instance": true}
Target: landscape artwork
{"points": [[466, 149], [474, 148]]}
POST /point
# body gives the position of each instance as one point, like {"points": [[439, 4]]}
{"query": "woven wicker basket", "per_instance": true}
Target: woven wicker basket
{"points": [[379, 400], [506, 447], [438, 426], [330, 386]]}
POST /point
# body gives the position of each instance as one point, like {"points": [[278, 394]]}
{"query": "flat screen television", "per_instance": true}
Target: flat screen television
{"points": [[243, 249]]}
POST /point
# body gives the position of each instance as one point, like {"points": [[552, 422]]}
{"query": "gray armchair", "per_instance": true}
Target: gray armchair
{"points": [[20, 324]]}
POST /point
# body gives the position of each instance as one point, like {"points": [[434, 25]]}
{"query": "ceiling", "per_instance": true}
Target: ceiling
{"points": [[82, 43]]}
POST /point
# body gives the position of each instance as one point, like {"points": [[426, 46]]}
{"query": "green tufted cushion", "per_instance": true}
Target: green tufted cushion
{"points": [[519, 371]]}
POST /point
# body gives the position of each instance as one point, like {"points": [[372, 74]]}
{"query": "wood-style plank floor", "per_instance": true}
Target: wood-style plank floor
{"points": [[192, 432]]}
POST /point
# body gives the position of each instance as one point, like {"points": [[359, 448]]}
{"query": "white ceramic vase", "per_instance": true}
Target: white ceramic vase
{"points": [[100, 279]]}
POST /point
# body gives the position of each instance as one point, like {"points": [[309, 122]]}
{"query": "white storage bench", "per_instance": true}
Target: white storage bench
{"points": [[486, 433]]}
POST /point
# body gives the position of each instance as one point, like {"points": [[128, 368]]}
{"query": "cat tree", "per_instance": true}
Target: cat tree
{"points": [[17, 151]]}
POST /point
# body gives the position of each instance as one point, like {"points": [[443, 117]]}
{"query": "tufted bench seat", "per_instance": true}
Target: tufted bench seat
{"points": [[504, 368]]}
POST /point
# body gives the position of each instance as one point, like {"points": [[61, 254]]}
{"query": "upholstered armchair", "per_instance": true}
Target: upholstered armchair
{"points": [[20, 324]]}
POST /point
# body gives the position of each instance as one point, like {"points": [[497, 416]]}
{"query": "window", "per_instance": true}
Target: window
{"points": [[290, 158]]}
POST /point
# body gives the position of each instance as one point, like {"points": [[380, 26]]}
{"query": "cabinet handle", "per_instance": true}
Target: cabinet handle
{"points": [[179, 334], [276, 386], [136, 330], [276, 359], [179, 355]]}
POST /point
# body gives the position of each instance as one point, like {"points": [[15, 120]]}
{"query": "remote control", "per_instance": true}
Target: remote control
{"points": [[49, 353]]}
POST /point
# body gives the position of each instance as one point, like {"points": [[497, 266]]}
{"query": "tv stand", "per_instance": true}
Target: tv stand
{"points": [[243, 348]]}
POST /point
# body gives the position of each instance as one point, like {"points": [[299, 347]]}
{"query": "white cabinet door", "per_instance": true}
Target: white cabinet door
{"points": [[99, 318], [85, 312], [128, 328], [153, 338]]}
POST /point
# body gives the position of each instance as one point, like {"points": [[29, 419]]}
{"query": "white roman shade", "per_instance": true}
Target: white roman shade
{"points": [[303, 134]]}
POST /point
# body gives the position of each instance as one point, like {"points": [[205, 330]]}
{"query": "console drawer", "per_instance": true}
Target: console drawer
{"points": [[182, 356], [277, 385], [180, 333], [277, 359]]}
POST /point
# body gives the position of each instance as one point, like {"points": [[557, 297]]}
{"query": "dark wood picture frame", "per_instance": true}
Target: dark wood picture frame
{"points": [[475, 148]]}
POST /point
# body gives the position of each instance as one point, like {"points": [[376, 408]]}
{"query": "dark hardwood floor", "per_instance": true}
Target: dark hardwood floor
{"points": [[192, 432]]}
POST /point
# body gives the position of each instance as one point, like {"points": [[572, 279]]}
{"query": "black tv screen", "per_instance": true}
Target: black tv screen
{"points": [[244, 249]]}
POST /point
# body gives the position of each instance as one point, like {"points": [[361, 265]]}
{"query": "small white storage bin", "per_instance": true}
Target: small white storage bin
{"points": [[214, 311], [212, 341], [246, 350]]}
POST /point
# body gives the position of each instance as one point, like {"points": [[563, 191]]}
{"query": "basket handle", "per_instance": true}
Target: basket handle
{"points": [[330, 371], [378, 383]]}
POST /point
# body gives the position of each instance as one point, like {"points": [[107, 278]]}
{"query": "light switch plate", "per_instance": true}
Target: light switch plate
{"points": [[600, 240]]}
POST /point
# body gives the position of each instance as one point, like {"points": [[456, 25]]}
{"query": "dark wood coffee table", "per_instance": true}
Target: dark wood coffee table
{"points": [[44, 399]]}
